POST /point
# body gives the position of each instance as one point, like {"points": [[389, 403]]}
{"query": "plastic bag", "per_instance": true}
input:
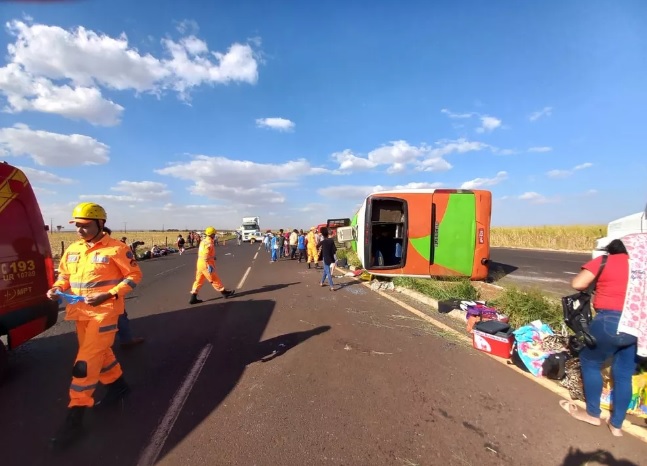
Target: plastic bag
{"points": [[638, 404], [70, 298]]}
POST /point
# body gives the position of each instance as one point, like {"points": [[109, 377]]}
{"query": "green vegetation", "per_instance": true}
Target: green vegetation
{"points": [[524, 306], [521, 306], [440, 289], [350, 256]]}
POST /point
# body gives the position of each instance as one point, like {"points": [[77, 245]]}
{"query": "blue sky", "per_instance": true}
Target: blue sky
{"points": [[185, 114]]}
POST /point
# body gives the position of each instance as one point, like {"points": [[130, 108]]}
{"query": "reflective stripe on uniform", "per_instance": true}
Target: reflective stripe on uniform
{"points": [[94, 284], [82, 388], [107, 328], [109, 366], [129, 282]]}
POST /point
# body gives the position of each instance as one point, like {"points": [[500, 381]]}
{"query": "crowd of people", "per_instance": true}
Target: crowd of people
{"points": [[311, 247], [97, 272]]}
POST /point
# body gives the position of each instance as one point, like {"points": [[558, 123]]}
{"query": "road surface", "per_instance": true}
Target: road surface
{"points": [[290, 373], [548, 270]]}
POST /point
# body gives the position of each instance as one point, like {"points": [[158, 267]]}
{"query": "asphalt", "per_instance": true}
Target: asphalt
{"points": [[288, 372], [550, 271]]}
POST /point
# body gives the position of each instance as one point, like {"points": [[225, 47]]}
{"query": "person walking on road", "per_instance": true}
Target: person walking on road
{"points": [[206, 268], [95, 274], [274, 244], [180, 244], [301, 244], [294, 240], [328, 251], [313, 255]]}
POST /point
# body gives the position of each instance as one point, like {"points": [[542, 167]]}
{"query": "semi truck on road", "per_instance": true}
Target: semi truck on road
{"points": [[250, 229]]}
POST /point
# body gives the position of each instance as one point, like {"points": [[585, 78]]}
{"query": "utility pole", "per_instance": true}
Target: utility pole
{"points": [[125, 230], [51, 226]]}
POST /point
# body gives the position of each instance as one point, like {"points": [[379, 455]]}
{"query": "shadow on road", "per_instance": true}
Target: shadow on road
{"points": [[265, 289], [577, 457], [497, 270], [33, 400]]}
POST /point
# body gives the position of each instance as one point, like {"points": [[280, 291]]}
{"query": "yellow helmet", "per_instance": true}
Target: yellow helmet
{"points": [[210, 231], [85, 212]]}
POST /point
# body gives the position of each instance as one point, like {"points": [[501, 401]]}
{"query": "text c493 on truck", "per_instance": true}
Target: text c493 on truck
{"points": [[26, 265]]}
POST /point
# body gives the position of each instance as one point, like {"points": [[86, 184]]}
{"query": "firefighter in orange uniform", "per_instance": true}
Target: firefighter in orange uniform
{"points": [[206, 268], [102, 270]]}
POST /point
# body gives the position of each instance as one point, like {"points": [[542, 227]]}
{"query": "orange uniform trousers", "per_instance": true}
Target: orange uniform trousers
{"points": [[95, 361], [202, 274]]}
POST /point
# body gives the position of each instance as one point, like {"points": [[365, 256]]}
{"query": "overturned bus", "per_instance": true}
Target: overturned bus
{"points": [[422, 233]]}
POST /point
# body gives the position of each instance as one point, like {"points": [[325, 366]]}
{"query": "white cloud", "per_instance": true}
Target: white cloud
{"points": [[27, 93], [80, 60], [540, 149], [488, 124], [536, 198], [434, 164], [459, 146], [567, 173], [505, 151], [398, 155], [544, 112], [52, 149], [351, 192], [280, 124], [239, 181], [453, 115], [41, 176], [483, 182], [418, 185], [142, 190], [187, 26], [109, 197], [350, 162]]}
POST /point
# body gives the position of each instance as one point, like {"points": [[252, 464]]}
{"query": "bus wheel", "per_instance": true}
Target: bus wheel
{"points": [[4, 360]]}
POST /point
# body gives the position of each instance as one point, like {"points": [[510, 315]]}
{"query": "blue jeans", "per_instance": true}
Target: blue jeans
{"points": [[123, 328], [326, 273], [622, 347]]}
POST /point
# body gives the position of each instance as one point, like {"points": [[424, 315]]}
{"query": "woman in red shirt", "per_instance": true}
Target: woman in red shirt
{"points": [[608, 302]]}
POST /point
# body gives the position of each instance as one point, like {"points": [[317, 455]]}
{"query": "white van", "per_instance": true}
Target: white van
{"points": [[634, 223]]}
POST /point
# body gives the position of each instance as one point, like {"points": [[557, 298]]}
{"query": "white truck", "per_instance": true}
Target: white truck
{"points": [[250, 229], [634, 223]]}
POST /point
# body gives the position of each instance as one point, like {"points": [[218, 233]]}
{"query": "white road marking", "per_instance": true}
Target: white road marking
{"points": [[255, 255], [151, 453], [571, 273], [242, 280], [170, 270]]}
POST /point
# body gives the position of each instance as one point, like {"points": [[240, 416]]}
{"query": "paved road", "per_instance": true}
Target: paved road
{"points": [[356, 380], [549, 270]]}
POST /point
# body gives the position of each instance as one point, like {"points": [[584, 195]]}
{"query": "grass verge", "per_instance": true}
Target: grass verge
{"points": [[521, 306]]}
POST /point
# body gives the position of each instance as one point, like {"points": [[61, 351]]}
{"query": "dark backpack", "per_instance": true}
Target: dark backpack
{"points": [[577, 313]]}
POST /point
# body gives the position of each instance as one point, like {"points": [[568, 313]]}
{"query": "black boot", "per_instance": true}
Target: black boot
{"points": [[308, 264], [228, 293], [117, 391], [72, 428], [194, 299]]}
